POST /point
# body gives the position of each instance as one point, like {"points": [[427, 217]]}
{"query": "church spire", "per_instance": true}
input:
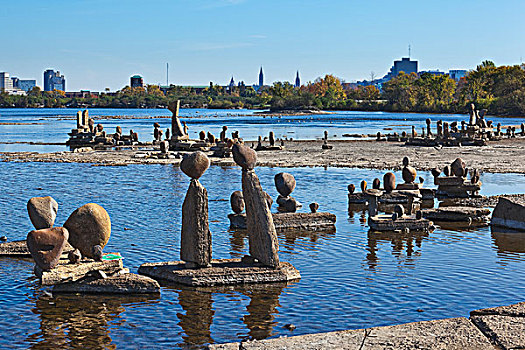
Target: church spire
{"points": [[297, 80], [261, 78]]}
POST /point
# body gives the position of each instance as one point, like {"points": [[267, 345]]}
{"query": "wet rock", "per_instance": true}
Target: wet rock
{"points": [[436, 172], [287, 204], [244, 156], [285, 183], [363, 186], [88, 226], [458, 167], [195, 245], [314, 207], [389, 182], [409, 174], [42, 211], [46, 246], [376, 184], [351, 188], [74, 256], [195, 164], [237, 202]]}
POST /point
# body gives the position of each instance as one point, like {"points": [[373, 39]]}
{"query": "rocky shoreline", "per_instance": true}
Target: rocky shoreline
{"points": [[505, 156]]}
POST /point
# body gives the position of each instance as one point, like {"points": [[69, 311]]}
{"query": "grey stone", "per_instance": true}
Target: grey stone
{"points": [[237, 202], [74, 256], [505, 331], [287, 204], [510, 213], [244, 156], [42, 211], [88, 226], [127, 283], [285, 183], [287, 222], [195, 164], [458, 167], [195, 246], [97, 253], [261, 230]]}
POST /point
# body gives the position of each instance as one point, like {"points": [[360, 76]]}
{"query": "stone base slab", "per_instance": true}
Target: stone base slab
{"points": [[458, 214], [291, 221], [385, 223], [19, 249], [128, 283], [222, 272]]}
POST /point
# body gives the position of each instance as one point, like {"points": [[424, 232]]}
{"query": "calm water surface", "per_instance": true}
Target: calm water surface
{"points": [[350, 278], [52, 125]]}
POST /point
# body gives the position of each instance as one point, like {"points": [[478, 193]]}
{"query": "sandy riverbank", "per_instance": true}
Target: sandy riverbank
{"points": [[507, 156]]}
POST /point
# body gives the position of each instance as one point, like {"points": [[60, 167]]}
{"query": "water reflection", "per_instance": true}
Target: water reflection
{"points": [[289, 238], [80, 322], [508, 242], [400, 242], [197, 303]]}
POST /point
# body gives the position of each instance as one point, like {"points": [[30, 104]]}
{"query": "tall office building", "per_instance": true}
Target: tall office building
{"points": [[54, 81], [6, 84], [23, 84], [405, 65], [297, 80], [261, 78]]}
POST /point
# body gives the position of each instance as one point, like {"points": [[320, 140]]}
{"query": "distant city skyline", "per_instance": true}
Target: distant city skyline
{"points": [[99, 44]]}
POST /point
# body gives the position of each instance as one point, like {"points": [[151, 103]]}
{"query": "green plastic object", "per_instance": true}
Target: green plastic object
{"points": [[111, 257]]}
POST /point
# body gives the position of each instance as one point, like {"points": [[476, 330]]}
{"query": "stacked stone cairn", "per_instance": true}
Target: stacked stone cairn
{"points": [[84, 235], [271, 140], [455, 183], [285, 184], [325, 141], [195, 247]]}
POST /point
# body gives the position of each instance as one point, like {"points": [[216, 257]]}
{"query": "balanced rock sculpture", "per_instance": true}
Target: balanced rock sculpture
{"points": [[42, 211], [262, 236], [88, 226], [195, 245], [237, 202], [285, 184], [46, 246], [409, 173], [458, 168]]}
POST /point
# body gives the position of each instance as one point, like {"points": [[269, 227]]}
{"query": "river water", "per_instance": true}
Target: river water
{"points": [[350, 278]]}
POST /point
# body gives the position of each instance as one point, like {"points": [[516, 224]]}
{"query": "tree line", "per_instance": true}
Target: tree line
{"points": [[501, 90]]}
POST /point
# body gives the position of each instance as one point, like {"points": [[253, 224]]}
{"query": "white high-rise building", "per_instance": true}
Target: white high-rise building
{"points": [[6, 84]]}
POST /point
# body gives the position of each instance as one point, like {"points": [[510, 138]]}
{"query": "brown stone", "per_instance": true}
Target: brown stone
{"points": [[376, 184], [314, 207], [458, 167], [237, 202], [42, 211], [447, 171], [287, 204], [269, 200], [351, 188], [46, 246], [74, 256], [244, 156], [259, 221], [363, 186], [389, 182], [409, 174], [195, 243], [436, 172], [164, 146], [88, 226], [195, 164], [285, 183]]}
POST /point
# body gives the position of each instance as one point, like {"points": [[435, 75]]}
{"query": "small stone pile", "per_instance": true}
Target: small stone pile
{"points": [[455, 183], [285, 184]]}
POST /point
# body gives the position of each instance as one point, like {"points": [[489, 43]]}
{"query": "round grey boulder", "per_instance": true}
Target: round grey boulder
{"points": [[244, 156], [285, 183], [195, 164], [42, 211]]}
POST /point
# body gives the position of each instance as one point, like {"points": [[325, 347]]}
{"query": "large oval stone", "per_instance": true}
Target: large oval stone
{"points": [[46, 246], [409, 174], [42, 211], [285, 183], [244, 156], [389, 181], [88, 226], [195, 164], [458, 167], [237, 202], [376, 184]]}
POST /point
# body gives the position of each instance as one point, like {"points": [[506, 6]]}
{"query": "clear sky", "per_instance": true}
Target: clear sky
{"points": [[101, 43]]}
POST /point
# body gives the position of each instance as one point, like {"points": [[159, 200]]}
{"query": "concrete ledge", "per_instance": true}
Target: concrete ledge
{"points": [[222, 272], [452, 333], [291, 221], [128, 283]]}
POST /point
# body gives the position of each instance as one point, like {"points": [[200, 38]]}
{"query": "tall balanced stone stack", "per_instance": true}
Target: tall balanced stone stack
{"points": [[195, 246], [259, 221], [177, 130], [285, 184]]}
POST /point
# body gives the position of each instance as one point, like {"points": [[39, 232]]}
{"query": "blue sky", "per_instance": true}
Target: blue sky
{"points": [[101, 43]]}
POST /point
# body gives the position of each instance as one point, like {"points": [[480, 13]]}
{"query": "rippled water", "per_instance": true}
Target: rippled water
{"points": [[52, 125], [350, 278]]}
